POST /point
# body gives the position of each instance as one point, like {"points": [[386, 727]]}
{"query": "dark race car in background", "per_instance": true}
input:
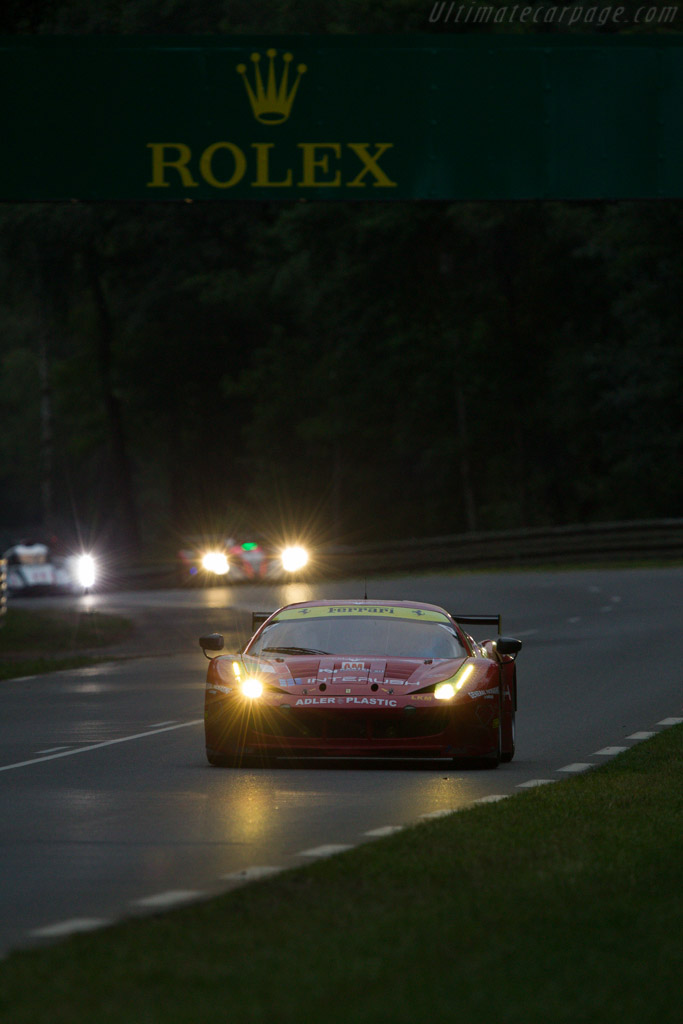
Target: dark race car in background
{"points": [[32, 568], [362, 679], [230, 560]]}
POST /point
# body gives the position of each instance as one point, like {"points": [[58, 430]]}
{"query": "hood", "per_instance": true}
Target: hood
{"points": [[351, 672]]}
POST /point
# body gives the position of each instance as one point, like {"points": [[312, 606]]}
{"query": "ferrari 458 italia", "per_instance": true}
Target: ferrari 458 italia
{"points": [[362, 679]]}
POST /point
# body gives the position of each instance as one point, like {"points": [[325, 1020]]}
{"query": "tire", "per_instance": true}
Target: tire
{"points": [[509, 754], [494, 760], [222, 760], [238, 760]]}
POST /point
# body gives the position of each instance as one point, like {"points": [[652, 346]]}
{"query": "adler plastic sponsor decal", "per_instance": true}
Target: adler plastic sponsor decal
{"points": [[380, 702], [314, 701]]}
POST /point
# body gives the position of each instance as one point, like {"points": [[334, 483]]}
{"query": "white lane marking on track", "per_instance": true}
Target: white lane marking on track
{"points": [[534, 782], [492, 798], [52, 750], [98, 746], [438, 814], [641, 735], [162, 900], [252, 873], [670, 721], [609, 751], [63, 928], [160, 725], [384, 830], [324, 851], [578, 766]]}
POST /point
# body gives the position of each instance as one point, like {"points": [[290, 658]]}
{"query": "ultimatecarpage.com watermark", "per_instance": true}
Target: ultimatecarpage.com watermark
{"points": [[455, 13]]}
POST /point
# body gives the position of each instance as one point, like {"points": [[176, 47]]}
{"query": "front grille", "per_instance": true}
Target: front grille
{"points": [[281, 723], [347, 725], [427, 722], [352, 727]]}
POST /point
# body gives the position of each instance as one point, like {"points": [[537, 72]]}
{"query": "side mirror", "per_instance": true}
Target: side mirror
{"points": [[508, 645], [211, 642]]}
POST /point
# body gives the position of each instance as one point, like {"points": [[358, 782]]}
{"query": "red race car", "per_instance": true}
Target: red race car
{"points": [[362, 679], [232, 561]]}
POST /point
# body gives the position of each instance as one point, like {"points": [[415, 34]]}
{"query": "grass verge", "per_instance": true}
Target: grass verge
{"points": [[34, 642], [562, 903]]}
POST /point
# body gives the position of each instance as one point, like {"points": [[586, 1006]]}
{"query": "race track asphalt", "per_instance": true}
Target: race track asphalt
{"points": [[107, 805]]}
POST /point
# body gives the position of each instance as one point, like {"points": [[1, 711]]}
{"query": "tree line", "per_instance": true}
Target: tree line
{"points": [[368, 370]]}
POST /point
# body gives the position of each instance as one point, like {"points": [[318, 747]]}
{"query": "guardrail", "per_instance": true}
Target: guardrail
{"points": [[3, 591], [580, 543], [592, 543]]}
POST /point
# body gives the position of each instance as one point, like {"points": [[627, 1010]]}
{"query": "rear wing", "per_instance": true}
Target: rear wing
{"points": [[257, 620], [478, 620]]}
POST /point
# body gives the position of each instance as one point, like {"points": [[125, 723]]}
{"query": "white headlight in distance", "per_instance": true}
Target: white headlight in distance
{"points": [[85, 567], [215, 562], [252, 688], [294, 558]]}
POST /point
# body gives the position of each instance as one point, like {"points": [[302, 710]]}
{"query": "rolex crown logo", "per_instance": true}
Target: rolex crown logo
{"points": [[271, 103]]}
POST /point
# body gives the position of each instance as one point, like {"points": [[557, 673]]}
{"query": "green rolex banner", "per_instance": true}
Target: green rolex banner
{"points": [[444, 116]]}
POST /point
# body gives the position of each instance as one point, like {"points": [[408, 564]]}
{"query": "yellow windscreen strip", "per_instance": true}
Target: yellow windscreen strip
{"points": [[361, 611]]}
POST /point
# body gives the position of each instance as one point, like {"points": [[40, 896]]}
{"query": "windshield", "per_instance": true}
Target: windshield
{"points": [[360, 636]]}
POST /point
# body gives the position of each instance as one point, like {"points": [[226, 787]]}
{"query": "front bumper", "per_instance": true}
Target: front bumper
{"points": [[235, 728]]}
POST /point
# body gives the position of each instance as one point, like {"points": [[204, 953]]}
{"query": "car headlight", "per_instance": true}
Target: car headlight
{"points": [[252, 688], [294, 558], [85, 570], [449, 688], [215, 562]]}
